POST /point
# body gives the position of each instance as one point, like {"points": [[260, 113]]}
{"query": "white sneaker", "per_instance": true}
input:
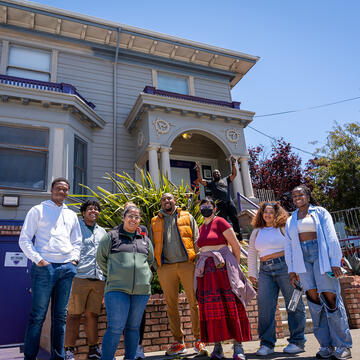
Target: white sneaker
{"points": [[139, 353], [69, 354], [342, 353], [264, 350], [293, 349]]}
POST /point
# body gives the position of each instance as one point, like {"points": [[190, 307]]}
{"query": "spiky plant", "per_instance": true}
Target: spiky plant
{"points": [[144, 194]]}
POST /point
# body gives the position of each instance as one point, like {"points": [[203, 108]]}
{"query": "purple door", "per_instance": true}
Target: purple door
{"points": [[15, 298]]}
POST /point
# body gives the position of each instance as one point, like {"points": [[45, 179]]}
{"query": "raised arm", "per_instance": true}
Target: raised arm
{"points": [[199, 177], [233, 169]]}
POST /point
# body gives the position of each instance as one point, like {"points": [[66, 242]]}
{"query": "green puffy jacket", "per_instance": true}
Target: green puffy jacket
{"points": [[126, 261]]}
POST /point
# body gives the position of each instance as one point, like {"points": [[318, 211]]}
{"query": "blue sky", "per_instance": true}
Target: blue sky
{"points": [[309, 53]]}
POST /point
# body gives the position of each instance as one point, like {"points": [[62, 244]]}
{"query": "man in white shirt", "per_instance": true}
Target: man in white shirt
{"points": [[55, 254]]}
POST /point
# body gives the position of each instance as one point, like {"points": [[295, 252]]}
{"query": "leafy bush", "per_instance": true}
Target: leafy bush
{"points": [[145, 195]]}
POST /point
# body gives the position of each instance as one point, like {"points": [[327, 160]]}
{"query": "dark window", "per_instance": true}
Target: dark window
{"points": [[23, 157], [80, 165]]}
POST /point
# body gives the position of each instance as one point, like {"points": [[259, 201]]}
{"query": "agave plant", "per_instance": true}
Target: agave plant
{"points": [[145, 194]]}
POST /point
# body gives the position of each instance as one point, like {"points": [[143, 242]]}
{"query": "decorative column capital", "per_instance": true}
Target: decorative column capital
{"points": [[165, 149], [155, 147], [244, 158]]}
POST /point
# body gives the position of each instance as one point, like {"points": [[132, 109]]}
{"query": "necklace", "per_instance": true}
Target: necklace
{"points": [[207, 224]]}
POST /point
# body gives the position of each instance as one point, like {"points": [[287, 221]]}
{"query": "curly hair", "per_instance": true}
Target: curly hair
{"points": [[280, 218]]}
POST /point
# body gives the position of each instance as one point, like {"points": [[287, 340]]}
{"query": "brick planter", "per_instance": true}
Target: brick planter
{"points": [[350, 291], [157, 336]]}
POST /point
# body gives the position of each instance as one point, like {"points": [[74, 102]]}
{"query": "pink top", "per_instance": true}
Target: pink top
{"points": [[212, 233]]}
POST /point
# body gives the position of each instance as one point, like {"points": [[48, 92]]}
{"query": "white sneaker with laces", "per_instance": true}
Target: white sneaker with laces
{"points": [[293, 349], [264, 350], [69, 355], [342, 353]]}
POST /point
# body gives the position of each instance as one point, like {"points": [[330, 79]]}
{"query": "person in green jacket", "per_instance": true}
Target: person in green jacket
{"points": [[125, 255]]}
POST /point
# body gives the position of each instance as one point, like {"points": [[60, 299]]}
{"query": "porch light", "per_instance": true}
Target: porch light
{"points": [[186, 136]]}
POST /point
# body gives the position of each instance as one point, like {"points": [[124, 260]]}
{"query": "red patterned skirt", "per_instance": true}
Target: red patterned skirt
{"points": [[222, 315]]}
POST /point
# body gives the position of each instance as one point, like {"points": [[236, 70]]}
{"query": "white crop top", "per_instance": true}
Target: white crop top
{"points": [[306, 224], [269, 240]]}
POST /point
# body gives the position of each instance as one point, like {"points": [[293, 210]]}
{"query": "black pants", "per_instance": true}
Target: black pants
{"points": [[228, 210]]}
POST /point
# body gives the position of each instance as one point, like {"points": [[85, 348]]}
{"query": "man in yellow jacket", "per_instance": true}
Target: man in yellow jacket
{"points": [[174, 234]]}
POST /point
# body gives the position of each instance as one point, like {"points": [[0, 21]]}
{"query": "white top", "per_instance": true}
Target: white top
{"points": [[57, 234], [264, 241], [306, 224]]}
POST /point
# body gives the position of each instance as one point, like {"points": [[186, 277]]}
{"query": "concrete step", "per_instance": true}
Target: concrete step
{"points": [[283, 313]]}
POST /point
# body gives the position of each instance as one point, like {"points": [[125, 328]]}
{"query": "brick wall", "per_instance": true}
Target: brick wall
{"points": [[350, 290], [157, 336]]}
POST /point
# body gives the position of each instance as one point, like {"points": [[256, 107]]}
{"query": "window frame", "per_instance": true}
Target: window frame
{"points": [[30, 149], [13, 45], [189, 80], [75, 166]]}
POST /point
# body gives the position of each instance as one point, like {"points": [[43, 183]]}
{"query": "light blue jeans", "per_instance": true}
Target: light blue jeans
{"points": [[124, 314], [330, 325], [272, 277]]}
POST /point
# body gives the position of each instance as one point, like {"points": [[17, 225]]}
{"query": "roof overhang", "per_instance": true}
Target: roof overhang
{"points": [[37, 17], [149, 102], [46, 98]]}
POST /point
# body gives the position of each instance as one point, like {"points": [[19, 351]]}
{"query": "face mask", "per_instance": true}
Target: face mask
{"points": [[206, 211]]}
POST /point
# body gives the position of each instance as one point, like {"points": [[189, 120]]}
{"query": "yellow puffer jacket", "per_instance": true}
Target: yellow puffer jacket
{"points": [[184, 228]]}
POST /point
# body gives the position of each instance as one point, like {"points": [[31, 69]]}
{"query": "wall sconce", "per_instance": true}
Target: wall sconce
{"points": [[10, 200], [186, 136]]}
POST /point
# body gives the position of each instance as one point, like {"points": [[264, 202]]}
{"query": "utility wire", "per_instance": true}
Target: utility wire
{"points": [[309, 108], [275, 139]]}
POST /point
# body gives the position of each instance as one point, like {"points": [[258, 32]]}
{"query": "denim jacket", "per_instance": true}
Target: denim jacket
{"points": [[328, 244]]}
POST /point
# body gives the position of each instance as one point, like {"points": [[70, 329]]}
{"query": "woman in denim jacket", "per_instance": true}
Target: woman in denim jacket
{"points": [[313, 256]]}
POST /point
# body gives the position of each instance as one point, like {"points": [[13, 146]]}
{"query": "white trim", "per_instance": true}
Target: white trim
{"points": [[154, 78], [4, 57], [54, 65], [57, 153], [191, 85]]}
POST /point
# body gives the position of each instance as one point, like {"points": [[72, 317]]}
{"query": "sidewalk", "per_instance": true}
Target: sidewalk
{"points": [[311, 348]]}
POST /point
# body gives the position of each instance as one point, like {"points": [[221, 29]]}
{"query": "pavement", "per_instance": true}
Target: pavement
{"points": [[311, 347]]}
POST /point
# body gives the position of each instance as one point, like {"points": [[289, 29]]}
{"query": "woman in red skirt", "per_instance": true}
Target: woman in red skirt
{"points": [[222, 289]]}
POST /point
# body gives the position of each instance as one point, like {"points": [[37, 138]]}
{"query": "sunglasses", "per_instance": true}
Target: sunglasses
{"points": [[274, 205]]}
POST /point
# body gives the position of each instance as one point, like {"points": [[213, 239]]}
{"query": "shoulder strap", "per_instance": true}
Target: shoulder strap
{"points": [[282, 230]]}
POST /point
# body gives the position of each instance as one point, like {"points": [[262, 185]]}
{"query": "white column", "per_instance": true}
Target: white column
{"points": [[165, 161], [245, 173], [154, 163], [237, 182]]}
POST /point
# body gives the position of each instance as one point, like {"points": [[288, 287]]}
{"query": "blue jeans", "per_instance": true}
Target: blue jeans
{"points": [[124, 314], [330, 325], [48, 282], [272, 277]]}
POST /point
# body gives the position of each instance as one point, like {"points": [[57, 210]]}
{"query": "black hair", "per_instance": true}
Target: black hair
{"points": [[131, 207], [307, 191], [208, 199], [60, 179], [88, 203]]}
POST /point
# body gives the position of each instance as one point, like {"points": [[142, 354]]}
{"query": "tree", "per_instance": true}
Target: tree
{"points": [[280, 172], [335, 173]]}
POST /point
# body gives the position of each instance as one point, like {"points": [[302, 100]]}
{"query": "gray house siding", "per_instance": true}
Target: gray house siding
{"points": [[93, 79], [212, 89]]}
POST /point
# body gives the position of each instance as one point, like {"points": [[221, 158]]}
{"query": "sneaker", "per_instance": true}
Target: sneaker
{"points": [[325, 352], [69, 353], [264, 350], [342, 353], [218, 352], [94, 352], [176, 349], [239, 352], [200, 349], [293, 349], [139, 353]]}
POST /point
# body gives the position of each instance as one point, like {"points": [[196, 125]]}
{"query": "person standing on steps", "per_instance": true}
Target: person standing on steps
{"points": [[220, 192]]}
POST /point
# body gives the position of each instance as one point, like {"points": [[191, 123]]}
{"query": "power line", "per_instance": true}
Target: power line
{"points": [[275, 139], [309, 108]]}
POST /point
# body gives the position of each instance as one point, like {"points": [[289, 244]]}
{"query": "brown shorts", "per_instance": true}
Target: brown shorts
{"points": [[86, 295]]}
